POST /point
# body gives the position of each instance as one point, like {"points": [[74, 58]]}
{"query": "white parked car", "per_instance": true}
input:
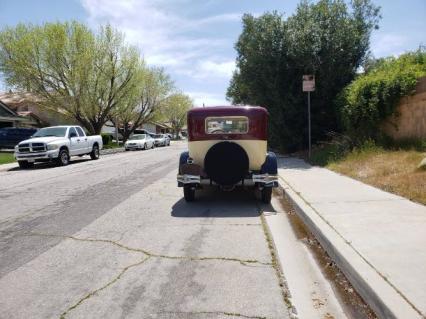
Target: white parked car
{"points": [[139, 142], [58, 144]]}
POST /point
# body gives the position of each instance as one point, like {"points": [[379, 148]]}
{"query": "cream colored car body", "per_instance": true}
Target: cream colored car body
{"points": [[255, 149]]}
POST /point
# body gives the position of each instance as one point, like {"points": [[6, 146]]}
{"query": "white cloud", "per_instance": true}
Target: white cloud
{"points": [[219, 69], [207, 99], [173, 40], [209, 69], [388, 44], [227, 17]]}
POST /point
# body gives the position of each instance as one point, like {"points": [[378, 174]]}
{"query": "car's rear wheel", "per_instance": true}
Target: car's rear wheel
{"points": [[25, 164], [267, 195], [189, 193], [63, 158], [94, 155]]}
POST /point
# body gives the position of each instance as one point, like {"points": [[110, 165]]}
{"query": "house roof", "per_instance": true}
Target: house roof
{"points": [[6, 111], [16, 98], [7, 114], [31, 117]]}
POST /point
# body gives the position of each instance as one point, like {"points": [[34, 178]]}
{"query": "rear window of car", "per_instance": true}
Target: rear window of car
{"points": [[227, 125]]}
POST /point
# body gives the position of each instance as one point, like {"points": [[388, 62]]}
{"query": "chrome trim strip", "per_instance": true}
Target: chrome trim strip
{"points": [[189, 179], [265, 179]]}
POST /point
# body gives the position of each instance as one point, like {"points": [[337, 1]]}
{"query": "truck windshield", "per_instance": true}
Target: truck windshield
{"points": [[227, 125], [51, 131]]}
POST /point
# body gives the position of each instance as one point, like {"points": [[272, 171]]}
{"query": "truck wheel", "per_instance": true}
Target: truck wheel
{"points": [[267, 195], [25, 164], [189, 193], [145, 147], [63, 158], [94, 155]]}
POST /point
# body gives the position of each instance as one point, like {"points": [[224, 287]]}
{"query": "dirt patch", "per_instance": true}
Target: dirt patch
{"points": [[393, 171]]}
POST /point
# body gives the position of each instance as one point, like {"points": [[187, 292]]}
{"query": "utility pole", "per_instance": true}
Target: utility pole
{"points": [[309, 122], [309, 86]]}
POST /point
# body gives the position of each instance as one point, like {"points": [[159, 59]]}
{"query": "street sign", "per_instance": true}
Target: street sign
{"points": [[308, 83], [309, 86]]}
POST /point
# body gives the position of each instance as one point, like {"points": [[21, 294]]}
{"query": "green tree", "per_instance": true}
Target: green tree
{"points": [[175, 109], [153, 86], [328, 39], [83, 75]]}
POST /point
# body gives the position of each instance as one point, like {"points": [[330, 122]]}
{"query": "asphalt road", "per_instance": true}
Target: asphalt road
{"points": [[114, 238]]}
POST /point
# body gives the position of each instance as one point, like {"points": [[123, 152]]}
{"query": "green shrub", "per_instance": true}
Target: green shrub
{"points": [[337, 147], [375, 95], [106, 138]]}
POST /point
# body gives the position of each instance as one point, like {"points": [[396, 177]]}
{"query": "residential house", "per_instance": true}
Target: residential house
{"points": [[25, 104], [156, 127], [9, 118]]}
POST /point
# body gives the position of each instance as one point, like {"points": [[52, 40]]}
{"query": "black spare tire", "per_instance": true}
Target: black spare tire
{"points": [[226, 163]]}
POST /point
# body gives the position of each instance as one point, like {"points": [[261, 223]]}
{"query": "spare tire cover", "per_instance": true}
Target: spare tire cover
{"points": [[226, 163]]}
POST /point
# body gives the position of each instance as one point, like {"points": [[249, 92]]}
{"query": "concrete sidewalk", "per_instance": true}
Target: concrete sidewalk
{"points": [[376, 238]]}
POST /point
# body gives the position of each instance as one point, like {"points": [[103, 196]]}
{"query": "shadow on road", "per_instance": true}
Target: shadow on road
{"points": [[212, 202], [48, 165]]}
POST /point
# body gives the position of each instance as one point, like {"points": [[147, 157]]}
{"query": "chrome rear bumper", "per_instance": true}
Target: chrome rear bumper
{"points": [[263, 180]]}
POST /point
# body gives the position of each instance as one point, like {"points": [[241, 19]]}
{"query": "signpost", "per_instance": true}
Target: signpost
{"points": [[309, 86]]}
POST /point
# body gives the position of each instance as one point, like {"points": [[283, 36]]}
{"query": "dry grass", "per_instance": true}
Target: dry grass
{"points": [[392, 171]]}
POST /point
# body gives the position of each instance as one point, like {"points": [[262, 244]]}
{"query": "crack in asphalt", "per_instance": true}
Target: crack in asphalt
{"points": [[94, 292], [244, 262], [224, 313]]}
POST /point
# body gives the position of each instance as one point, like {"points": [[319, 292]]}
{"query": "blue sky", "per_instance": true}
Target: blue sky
{"points": [[194, 40]]}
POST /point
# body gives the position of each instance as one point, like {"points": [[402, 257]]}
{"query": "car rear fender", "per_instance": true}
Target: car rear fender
{"points": [[270, 166]]}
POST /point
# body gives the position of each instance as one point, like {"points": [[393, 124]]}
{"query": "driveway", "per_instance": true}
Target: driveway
{"points": [[113, 238]]}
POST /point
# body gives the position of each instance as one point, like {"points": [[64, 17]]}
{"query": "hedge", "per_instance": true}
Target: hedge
{"points": [[375, 95]]}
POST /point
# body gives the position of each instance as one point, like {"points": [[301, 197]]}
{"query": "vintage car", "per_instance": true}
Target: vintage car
{"points": [[227, 147]]}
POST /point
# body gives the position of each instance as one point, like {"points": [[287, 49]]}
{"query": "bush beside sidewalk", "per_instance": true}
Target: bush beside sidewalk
{"points": [[376, 238]]}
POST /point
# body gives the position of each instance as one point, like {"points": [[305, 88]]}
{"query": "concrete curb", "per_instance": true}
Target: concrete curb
{"points": [[112, 151], [6, 167], [372, 286]]}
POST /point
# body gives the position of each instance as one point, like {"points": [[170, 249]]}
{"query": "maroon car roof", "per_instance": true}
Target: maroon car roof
{"points": [[227, 110]]}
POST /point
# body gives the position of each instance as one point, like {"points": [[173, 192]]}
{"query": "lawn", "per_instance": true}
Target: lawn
{"points": [[112, 146], [6, 158], [394, 171]]}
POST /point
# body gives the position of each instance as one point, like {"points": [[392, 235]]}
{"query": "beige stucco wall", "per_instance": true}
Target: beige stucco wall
{"points": [[411, 122]]}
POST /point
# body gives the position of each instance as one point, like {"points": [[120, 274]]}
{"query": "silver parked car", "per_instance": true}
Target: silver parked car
{"points": [[167, 137], [139, 142], [159, 139]]}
